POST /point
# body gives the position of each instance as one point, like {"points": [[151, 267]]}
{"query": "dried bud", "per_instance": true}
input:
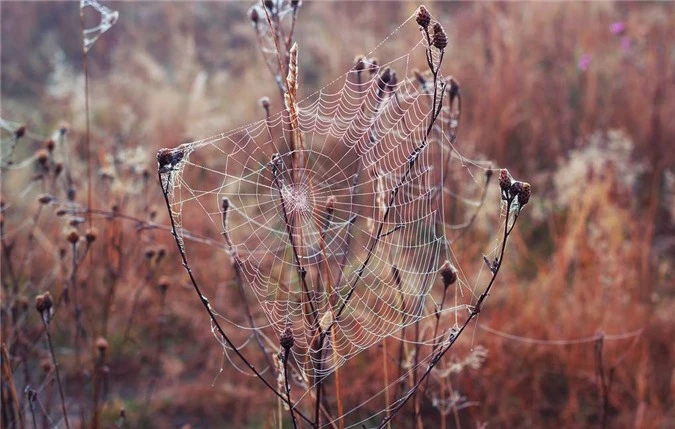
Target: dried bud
{"points": [[265, 103], [524, 194], [91, 235], [42, 156], [286, 340], [149, 253], [505, 180], [423, 17], [71, 193], [48, 301], [45, 198], [20, 132], [448, 273], [101, 345], [254, 15], [516, 188], [359, 63], [385, 77], [439, 39], [58, 168], [269, 4], [163, 284], [72, 236], [40, 303]]}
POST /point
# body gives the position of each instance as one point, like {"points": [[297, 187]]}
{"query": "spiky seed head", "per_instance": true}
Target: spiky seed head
{"points": [[286, 339], [524, 194], [439, 39], [72, 236], [423, 17], [505, 179], [448, 273]]}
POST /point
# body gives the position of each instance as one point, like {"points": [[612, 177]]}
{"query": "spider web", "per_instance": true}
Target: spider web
{"points": [[344, 235]]}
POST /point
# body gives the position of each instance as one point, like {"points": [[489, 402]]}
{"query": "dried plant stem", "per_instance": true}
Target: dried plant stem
{"points": [[85, 66], [454, 335], [7, 375], [288, 387], [56, 370], [205, 301], [30, 393], [385, 366]]}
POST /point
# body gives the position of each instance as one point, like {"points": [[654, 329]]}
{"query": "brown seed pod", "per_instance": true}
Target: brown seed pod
{"points": [[524, 194], [72, 236], [286, 340], [91, 235], [448, 273], [505, 179], [423, 17], [439, 39]]}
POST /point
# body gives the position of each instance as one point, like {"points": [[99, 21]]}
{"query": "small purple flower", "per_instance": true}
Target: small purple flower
{"points": [[584, 62], [617, 28]]}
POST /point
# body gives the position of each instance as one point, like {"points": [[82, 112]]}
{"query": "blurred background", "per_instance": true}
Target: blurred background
{"points": [[575, 98]]}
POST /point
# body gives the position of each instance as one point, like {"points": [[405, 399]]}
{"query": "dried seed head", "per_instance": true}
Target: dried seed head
{"points": [[359, 63], [58, 168], [286, 340], [42, 156], [169, 158], [40, 303], [448, 273], [265, 103], [101, 345], [373, 65], [163, 284], [423, 17], [393, 80], [269, 4], [48, 301], [20, 132], [505, 179], [91, 235], [524, 194], [149, 253], [439, 39], [330, 204], [254, 15], [516, 188], [72, 236], [45, 198], [49, 145], [71, 193]]}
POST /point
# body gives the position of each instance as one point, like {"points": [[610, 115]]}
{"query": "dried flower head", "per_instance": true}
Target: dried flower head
{"points": [[423, 17], [505, 180], [91, 235], [72, 236], [439, 39], [524, 194], [40, 303], [49, 145], [42, 156], [20, 132], [45, 198], [286, 340], [265, 103], [448, 273], [101, 345]]}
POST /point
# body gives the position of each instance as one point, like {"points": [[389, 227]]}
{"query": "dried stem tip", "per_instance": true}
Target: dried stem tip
{"points": [[448, 274], [423, 17], [439, 39], [265, 103], [91, 235], [72, 236], [286, 340]]}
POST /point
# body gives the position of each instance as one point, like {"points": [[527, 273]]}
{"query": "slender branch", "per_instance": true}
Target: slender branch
{"points": [[288, 387], [46, 321], [205, 301]]}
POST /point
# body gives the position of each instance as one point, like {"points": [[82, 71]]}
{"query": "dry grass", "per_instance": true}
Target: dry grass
{"points": [[594, 253]]}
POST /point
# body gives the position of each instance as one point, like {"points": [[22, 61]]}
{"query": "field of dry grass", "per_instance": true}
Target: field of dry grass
{"points": [[574, 97]]}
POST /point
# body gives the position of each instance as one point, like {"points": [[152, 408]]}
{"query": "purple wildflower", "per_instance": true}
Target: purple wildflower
{"points": [[617, 28]]}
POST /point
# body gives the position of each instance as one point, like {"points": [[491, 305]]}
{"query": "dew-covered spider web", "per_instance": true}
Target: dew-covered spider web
{"points": [[338, 228]]}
